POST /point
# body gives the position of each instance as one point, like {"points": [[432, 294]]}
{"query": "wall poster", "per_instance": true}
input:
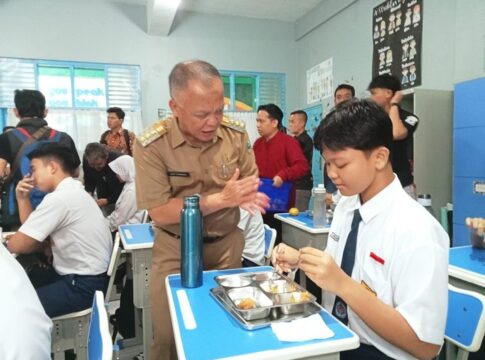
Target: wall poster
{"points": [[397, 27], [319, 81]]}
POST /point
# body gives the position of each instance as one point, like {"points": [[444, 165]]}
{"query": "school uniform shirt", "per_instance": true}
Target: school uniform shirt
{"points": [[253, 230], [125, 211], [25, 332], [81, 239], [401, 257]]}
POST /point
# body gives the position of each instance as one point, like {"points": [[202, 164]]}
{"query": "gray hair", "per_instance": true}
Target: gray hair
{"points": [[185, 71], [95, 151]]}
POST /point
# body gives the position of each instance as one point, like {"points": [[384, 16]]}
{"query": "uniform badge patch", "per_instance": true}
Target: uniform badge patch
{"points": [[341, 309], [411, 120]]}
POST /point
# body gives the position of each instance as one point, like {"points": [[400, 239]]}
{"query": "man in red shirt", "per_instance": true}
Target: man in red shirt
{"points": [[278, 156]]}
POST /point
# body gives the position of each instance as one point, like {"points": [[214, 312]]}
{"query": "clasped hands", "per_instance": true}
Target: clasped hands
{"points": [[244, 193]]}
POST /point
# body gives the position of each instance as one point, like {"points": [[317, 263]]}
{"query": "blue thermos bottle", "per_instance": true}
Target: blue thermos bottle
{"points": [[191, 256]]}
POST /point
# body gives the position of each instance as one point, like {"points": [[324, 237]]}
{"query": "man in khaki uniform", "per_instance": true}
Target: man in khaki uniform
{"points": [[195, 152]]}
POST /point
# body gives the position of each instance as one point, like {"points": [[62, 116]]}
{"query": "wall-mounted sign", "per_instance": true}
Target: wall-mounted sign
{"points": [[319, 81], [397, 27]]}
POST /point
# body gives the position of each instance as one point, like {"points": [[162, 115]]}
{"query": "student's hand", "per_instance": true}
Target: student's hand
{"points": [[396, 98], [328, 199], [322, 269], [284, 258], [102, 202], [277, 181], [24, 187], [477, 225]]}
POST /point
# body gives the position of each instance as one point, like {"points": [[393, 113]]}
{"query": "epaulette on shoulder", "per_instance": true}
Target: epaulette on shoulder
{"points": [[234, 124], [154, 131]]}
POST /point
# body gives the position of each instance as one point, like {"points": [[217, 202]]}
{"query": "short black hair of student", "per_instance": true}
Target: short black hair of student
{"points": [[344, 86], [355, 124], [56, 152], [300, 112], [385, 81], [118, 111], [273, 111], [29, 103]]}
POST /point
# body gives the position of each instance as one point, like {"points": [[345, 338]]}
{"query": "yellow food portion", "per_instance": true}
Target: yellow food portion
{"points": [[301, 296], [294, 211], [246, 304]]}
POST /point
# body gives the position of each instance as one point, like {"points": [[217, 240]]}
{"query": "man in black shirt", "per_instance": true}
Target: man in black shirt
{"points": [[30, 108], [99, 177], [296, 127], [386, 92]]}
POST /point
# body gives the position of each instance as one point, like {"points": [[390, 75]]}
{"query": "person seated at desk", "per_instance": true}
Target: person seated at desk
{"points": [[385, 267], [252, 227], [80, 236], [125, 211], [25, 332]]}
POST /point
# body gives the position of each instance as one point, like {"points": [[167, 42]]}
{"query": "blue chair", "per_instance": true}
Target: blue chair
{"points": [[269, 240], [99, 344], [465, 325], [69, 331]]}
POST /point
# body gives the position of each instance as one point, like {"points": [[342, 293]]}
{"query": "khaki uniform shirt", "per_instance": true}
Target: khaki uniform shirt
{"points": [[168, 166]]}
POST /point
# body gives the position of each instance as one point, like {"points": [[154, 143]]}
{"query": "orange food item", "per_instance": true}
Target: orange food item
{"points": [[247, 304]]}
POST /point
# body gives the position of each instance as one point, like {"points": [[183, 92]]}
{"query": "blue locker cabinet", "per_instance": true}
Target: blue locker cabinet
{"points": [[468, 156]]}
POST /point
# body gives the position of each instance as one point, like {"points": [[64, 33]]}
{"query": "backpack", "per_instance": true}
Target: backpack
{"points": [[21, 165]]}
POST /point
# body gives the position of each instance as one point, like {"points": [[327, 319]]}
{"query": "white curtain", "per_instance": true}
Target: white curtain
{"points": [[84, 126]]}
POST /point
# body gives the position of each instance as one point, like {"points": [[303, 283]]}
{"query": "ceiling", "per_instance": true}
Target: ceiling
{"points": [[282, 10]]}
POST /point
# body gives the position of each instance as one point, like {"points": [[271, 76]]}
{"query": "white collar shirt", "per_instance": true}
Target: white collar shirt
{"points": [[253, 231], [25, 332], [402, 257], [81, 240]]}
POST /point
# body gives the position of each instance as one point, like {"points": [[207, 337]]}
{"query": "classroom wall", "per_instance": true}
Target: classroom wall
{"points": [[453, 42], [102, 31]]}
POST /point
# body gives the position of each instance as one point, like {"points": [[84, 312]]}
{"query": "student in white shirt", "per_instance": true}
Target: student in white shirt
{"points": [[253, 230], [396, 296], [125, 211], [81, 242], [25, 332]]}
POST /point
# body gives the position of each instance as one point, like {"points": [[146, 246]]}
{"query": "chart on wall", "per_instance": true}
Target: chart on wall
{"points": [[319, 81], [397, 27]]}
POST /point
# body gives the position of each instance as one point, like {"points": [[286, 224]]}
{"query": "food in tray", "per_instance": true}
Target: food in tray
{"points": [[278, 286], [246, 304], [299, 297]]}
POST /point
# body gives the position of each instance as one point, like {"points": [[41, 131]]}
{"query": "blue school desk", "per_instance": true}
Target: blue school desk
{"points": [[298, 232], [467, 268], [137, 240], [214, 334]]}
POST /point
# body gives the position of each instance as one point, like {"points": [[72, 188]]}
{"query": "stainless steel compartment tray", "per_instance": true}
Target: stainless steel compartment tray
{"points": [[275, 316]]}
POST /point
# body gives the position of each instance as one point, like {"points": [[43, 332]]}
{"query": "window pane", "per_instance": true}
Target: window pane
{"points": [[89, 88], [55, 84], [245, 93]]}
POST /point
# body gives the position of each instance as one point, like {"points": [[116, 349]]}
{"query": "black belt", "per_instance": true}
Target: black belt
{"points": [[205, 239]]}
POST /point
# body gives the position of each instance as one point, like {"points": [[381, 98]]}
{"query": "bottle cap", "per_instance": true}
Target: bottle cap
{"points": [[192, 200], [320, 189]]}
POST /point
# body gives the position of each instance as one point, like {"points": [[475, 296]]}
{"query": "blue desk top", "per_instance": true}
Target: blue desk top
{"points": [[468, 258], [136, 236], [303, 221], [218, 335]]}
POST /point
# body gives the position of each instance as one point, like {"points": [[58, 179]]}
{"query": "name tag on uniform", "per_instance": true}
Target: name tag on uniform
{"points": [[334, 236], [178, 173]]}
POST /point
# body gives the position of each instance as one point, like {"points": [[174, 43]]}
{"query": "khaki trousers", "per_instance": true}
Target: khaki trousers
{"points": [[225, 253]]}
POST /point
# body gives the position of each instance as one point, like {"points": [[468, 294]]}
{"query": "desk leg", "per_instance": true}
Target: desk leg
{"points": [[147, 332]]}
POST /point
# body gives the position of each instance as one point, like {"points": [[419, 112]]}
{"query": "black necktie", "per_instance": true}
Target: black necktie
{"points": [[348, 260]]}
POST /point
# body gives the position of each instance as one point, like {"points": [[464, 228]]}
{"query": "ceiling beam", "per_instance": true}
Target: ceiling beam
{"points": [[160, 16]]}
